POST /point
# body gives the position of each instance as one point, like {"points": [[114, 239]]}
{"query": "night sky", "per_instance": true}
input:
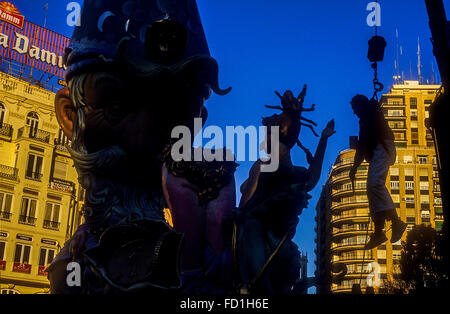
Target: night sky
{"points": [[263, 46]]}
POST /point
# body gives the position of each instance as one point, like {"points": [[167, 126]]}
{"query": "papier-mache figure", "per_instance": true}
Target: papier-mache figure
{"points": [[135, 70], [266, 258]]}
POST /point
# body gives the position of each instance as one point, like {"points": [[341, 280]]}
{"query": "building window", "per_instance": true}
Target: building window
{"points": [[28, 211], [409, 200], [22, 253], [396, 124], [2, 114], [395, 185], [424, 199], [51, 217], [409, 185], [396, 199], [407, 159], [395, 113], [33, 123], [424, 186], [413, 102], [399, 136], [395, 101], [422, 159], [5, 206], [437, 187], [46, 256], [413, 113], [62, 138], [2, 250], [34, 167]]}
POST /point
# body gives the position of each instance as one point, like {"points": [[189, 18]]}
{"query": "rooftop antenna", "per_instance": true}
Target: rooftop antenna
{"points": [[45, 14], [419, 65]]}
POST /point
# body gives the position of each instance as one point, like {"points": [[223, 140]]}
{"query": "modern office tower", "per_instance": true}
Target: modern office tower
{"points": [[343, 224]]}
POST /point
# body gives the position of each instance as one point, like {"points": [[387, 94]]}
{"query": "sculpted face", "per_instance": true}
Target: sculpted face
{"points": [[136, 113]]}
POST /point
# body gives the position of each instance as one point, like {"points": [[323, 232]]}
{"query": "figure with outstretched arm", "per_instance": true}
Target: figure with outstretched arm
{"points": [[315, 168], [266, 257], [376, 145]]}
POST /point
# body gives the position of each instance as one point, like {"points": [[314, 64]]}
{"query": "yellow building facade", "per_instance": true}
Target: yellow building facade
{"points": [[343, 223], [40, 198]]}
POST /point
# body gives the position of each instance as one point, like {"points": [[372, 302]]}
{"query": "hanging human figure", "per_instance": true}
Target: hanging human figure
{"points": [[376, 146]]}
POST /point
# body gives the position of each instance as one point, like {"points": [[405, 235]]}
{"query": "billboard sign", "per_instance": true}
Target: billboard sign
{"points": [[10, 14], [32, 45]]}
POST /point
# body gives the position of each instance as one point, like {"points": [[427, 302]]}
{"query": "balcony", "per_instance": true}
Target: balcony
{"points": [[395, 116], [342, 233], [344, 162], [349, 203], [8, 172], [5, 216], [61, 148], [21, 268], [6, 130], [345, 175], [52, 225], [35, 134], [339, 219], [397, 126], [352, 258], [348, 190], [35, 176], [347, 246], [41, 271], [26, 220]]}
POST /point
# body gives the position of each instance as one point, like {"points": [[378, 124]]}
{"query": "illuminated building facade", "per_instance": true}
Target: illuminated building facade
{"points": [[343, 215], [40, 199], [39, 193]]}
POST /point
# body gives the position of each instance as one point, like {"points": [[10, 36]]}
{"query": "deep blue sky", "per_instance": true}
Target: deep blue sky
{"points": [[263, 45]]}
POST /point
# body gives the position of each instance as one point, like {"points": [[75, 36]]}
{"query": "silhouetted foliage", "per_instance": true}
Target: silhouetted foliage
{"points": [[422, 267]]}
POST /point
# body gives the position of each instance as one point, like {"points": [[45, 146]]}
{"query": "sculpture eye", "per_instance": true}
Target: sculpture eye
{"points": [[166, 41]]}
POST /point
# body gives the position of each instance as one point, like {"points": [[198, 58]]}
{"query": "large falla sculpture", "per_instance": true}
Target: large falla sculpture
{"points": [[135, 70]]}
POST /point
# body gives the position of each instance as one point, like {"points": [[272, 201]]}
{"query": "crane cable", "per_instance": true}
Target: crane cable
{"points": [[378, 87]]}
